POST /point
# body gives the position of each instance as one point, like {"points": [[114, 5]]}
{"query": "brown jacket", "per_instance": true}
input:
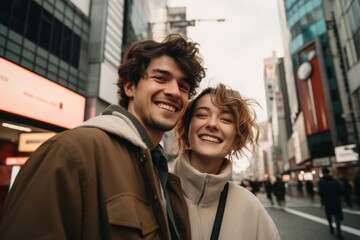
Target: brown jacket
{"points": [[81, 177]]}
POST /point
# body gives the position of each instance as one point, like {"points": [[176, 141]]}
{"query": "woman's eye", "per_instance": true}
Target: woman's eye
{"points": [[200, 115], [227, 120]]}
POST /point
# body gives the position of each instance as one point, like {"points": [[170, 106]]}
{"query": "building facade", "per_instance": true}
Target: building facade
{"points": [[316, 38]]}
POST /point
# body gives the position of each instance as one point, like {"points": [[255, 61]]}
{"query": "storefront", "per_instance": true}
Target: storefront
{"points": [[32, 109]]}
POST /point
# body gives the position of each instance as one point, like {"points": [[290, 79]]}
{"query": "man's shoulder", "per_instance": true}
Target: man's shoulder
{"points": [[86, 136]]}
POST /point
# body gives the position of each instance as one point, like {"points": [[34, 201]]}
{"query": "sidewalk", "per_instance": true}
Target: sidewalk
{"points": [[296, 202]]}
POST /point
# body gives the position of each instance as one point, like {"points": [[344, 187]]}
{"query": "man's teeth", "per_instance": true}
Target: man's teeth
{"points": [[209, 138], [167, 107]]}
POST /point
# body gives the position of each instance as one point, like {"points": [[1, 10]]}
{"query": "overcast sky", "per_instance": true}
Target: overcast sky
{"points": [[234, 50]]}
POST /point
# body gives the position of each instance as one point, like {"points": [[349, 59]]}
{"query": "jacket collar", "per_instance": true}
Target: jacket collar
{"points": [[201, 187], [114, 109]]}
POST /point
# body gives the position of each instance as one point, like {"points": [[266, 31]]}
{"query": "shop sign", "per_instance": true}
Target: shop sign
{"points": [[346, 153], [29, 142]]}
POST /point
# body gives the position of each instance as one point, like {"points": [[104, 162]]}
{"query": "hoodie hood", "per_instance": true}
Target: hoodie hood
{"points": [[118, 121]]}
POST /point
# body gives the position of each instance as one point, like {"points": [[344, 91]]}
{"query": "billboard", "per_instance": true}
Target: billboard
{"points": [[27, 94]]}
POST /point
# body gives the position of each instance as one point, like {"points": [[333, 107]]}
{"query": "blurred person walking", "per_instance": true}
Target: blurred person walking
{"points": [[269, 190], [279, 191], [346, 189], [309, 186], [330, 193], [218, 124], [106, 178], [299, 187]]}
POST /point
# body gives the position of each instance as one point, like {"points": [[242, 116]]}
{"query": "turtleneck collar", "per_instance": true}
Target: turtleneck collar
{"points": [[202, 188]]}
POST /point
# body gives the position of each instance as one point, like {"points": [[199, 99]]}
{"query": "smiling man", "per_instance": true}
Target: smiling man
{"points": [[106, 178]]}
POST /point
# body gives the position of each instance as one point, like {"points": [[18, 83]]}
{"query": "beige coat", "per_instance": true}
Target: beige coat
{"points": [[244, 216]]}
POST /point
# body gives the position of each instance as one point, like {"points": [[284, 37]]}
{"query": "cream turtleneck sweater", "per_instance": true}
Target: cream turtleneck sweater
{"points": [[244, 216]]}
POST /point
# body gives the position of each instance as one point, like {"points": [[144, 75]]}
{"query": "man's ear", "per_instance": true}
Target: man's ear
{"points": [[129, 89]]}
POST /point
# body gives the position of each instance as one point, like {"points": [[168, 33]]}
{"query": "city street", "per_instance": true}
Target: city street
{"points": [[302, 219]]}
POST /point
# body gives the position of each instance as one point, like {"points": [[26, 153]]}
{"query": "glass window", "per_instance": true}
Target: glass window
{"points": [[64, 65], [27, 64], [69, 13], [12, 56], [62, 81], [72, 79], [33, 22], [28, 54], [18, 15], [15, 37], [52, 68], [40, 62], [51, 76], [14, 47], [40, 70], [28, 44], [59, 15], [321, 27], [3, 29], [63, 74], [42, 52], [54, 59], [60, 6], [46, 21], [5, 10], [48, 7], [2, 41]]}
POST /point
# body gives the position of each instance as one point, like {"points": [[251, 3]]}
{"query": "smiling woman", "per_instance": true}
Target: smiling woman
{"points": [[219, 122]]}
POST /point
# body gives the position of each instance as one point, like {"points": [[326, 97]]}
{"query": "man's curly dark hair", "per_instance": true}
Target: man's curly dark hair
{"points": [[137, 58]]}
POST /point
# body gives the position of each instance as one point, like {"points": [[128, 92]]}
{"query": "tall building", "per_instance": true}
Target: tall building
{"points": [[317, 93], [278, 112], [345, 25]]}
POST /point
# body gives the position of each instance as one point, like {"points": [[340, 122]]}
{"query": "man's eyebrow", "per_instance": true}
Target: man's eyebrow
{"points": [[166, 72], [162, 71]]}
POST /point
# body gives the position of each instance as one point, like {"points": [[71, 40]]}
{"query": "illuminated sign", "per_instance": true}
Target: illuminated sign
{"points": [[15, 161], [346, 153], [25, 93], [29, 142]]}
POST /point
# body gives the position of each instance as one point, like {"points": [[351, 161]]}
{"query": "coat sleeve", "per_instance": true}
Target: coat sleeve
{"points": [[45, 201]]}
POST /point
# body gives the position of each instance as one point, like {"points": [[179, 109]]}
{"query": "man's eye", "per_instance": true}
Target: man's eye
{"points": [[159, 78], [184, 87]]}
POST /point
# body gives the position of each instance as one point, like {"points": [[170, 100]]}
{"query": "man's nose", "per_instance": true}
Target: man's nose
{"points": [[172, 88]]}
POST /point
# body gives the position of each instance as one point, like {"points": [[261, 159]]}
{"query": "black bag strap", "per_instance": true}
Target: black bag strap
{"points": [[219, 213]]}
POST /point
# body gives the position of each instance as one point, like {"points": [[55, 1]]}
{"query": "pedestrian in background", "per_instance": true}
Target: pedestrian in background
{"points": [[106, 178], [219, 123], [299, 187], [269, 191], [330, 193], [279, 191], [357, 187], [346, 189], [309, 186]]}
